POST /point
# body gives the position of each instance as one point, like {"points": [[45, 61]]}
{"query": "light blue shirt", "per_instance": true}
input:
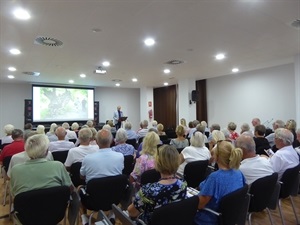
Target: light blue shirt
{"points": [[131, 134]]}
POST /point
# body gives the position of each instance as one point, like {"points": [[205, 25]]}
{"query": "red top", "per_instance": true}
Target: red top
{"points": [[12, 149]]}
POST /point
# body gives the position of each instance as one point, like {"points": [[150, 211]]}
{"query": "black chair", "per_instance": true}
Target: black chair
{"points": [[233, 207], [140, 140], [128, 165], [3, 145], [171, 133], [73, 140], [261, 192], [120, 215], [101, 193], [75, 174], [60, 156], [42, 206], [150, 176], [73, 209], [194, 172], [132, 142], [4, 170], [179, 213], [179, 150]]}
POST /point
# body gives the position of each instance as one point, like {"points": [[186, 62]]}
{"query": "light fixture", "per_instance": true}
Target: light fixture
{"points": [[220, 56], [11, 76], [106, 64], [100, 70], [21, 14], [134, 80], [149, 41], [71, 81], [82, 75], [118, 84], [166, 71], [166, 84], [15, 51], [235, 70], [12, 69]]}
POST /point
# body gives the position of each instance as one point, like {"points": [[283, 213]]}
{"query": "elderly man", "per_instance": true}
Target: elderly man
{"points": [[144, 131], [117, 117], [38, 172], [77, 154], [286, 156], [70, 133], [253, 166], [271, 137], [61, 144]]}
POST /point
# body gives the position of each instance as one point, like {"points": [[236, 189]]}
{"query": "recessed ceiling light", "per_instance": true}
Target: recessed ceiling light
{"points": [[100, 70], [149, 41], [134, 80], [167, 71], [166, 84], [11, 76], [21, 14], [15, 51], [12, 68], [118, 84], [71, 81], [220, 56], [82, 75], [106, 63], [235, 70], [96, 30]]}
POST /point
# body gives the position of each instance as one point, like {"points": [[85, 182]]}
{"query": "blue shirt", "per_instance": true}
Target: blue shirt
{"points": [[125, 149], [131, 134]]}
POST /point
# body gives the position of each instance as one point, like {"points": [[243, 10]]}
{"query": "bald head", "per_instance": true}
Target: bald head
{"points": [[104, 138], [255, 122], [247, 144], [60, 133]]}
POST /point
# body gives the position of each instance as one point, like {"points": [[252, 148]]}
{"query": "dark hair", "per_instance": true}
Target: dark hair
{"points": [[28, 126], [16, 133], [260, 129]]}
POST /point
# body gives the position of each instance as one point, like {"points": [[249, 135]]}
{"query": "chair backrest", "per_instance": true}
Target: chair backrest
{"points": [[73, 209], [60, 156], [232, 205], [6, 162], [179, 150], [103, 192], [128, 165], [150, 176], [140, 140], [73, 140], [75, 174], [120, 215], [179, 213], [194, 172], [163, 137], [275, 196], [42, 206], [3, 145], [132, 142], [289, 181], [261, 192]]}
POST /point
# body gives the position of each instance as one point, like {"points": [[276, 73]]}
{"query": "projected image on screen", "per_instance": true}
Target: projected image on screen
{"points": [[62, 104]]}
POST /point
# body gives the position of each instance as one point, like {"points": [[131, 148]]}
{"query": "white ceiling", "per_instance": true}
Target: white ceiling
{"points": [[252, 33]]}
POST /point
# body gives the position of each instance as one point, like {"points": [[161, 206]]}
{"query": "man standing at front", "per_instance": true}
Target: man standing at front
{"points": [[117, 117]]}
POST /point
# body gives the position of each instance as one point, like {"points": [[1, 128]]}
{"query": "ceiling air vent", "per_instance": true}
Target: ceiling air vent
{"points": [[174, 62], [48, 41], [296, 23], [36, 74]]}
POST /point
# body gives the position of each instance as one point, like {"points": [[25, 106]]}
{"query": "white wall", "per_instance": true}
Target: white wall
{"points": [[267, 94]]}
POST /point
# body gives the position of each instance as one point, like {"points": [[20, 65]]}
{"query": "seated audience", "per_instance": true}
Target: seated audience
{"points": [[70, 133], [286, 156], [111, 124], [131, 134], [213, 127], [7, 130], [193, 127], [217, 136], [253, 166], [40, 129], [220, 183], [93, 139], [165, 191], [271, 137], [196, 151], [143, 132], [245, 128], [296, 144], [27, 128], [15, 147], [78, 153], [51, 133], [61, 144], [121, 145], [201, 128], [291, 125], [75, 128], [255, 122], [186, 128], [154, 124], [204, 123], [233, 134], [180, 141], [90, 123], [140, 147], [261, 142], [38, 173], [160, 129]]}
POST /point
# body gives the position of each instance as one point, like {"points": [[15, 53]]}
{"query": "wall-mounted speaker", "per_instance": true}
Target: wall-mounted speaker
{"points": [[195, 95]]}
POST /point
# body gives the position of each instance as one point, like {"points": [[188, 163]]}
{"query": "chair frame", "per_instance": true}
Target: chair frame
{"points": [[189, 172]]}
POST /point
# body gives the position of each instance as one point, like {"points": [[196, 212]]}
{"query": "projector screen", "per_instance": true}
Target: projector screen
{"points": [[51, 104]]}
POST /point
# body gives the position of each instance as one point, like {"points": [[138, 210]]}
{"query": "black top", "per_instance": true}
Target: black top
{"points": [[261, 144]]}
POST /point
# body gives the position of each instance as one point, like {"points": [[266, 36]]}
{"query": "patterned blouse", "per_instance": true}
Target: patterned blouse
{"points": [[125, 149], [154, 195], [143, 163]]}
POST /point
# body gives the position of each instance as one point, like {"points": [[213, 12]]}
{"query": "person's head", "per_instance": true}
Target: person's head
{"points": [[29, 134], [180, 131], [128, 126], [40, 129], [215, 126], [150, 142], [36, 146], [121, 136], [75, 126], [28, 126], [152, 129], [94, 132], [191, 125], [85, 126], [291, 125], [66, 125], [245, 127], [298, 134], [154, 123], [53, 127], [167, 160], [217, 135], [160, 127], [231, 126], [104, 138], [259, 130], [90, 123], [225, 132], [110, 123], [118, 108], [144, 124], [17, 134], [107, 127], [183, 122], [61, 133], [197, 139], [283, 137], [278, 124], [8, 129], [247, 144], [228, 156], [255, 122], [195, 122], [200, 128], [204, 123], [85, 135]]}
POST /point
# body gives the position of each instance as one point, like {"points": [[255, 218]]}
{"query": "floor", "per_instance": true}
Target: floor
{"points": [[257, 219]]}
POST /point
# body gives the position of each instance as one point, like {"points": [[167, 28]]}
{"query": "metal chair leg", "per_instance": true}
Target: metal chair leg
{"points": [[270, 216], [280, 212], [294, 209], [249, 218]]}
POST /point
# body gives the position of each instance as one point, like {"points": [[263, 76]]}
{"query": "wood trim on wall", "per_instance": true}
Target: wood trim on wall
{"points": [[201, 105]]}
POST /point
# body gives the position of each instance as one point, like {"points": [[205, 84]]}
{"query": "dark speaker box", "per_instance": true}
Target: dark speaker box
{"points": [[195, 96]]}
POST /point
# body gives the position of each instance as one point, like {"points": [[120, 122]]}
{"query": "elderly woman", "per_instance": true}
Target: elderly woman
{"points": [[38, 170], [196, 151], [51, 133], [180, 141], [291, 125], [146, 160], [40, 129], [220, 183], [160, 129], [233, 134], [75, 128], [121, 146], [7, 130], [131, 134], [168, 189]]}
